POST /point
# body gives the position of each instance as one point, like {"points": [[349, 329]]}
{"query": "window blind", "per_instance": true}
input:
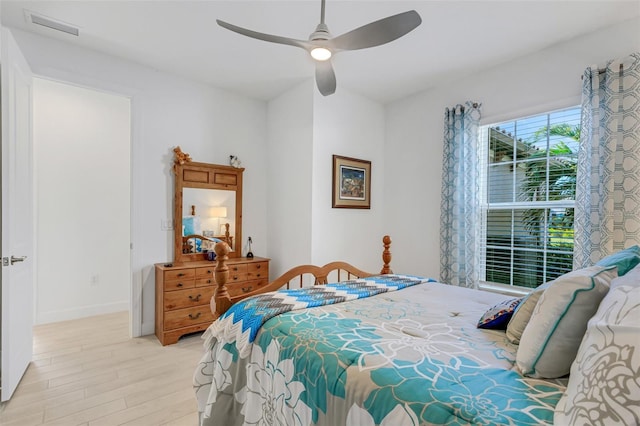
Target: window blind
{"points": [[528, 179]]}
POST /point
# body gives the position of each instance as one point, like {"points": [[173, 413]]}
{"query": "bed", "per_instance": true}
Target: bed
{"points": [[374, 349]]}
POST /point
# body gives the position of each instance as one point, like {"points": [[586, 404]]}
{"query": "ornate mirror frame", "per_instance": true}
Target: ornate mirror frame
{"points": [[190, 174]]}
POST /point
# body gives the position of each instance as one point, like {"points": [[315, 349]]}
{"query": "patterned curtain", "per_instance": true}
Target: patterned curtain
{"points": [[460, 208], [607, 213]]}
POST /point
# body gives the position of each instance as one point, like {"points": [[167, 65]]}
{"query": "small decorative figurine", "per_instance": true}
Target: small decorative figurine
{"points": [[249, 253], [181, 157], [234, 161]]}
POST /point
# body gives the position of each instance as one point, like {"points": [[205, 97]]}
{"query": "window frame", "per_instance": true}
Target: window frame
{"points": [[485, 206]]}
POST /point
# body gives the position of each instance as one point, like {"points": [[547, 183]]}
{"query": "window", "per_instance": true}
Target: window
{"points": [[528, 192]]}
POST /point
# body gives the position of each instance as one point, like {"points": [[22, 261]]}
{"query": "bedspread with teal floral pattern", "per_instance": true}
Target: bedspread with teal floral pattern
{"points": [[408, 357]]}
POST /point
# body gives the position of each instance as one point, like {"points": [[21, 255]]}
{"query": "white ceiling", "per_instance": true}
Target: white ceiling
{"points": [[455, 38]]}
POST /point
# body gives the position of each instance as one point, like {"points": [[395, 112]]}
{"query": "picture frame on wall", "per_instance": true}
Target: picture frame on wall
{"points": [[351, 183]]}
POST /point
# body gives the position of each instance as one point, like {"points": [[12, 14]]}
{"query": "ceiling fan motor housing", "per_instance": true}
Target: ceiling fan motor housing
{"points": [[321, 33]]}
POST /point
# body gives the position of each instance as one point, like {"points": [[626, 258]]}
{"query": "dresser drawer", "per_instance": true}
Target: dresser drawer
{"points": [[258, 270], [236, 277], [245, 287], [203, 282], [204, 272], [238, 268], [179, 284], [187, 316], [184, 292], [187, 298], [179, 274]]}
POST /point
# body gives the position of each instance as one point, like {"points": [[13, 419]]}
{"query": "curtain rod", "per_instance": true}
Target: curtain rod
{"points": [[602, 71]]}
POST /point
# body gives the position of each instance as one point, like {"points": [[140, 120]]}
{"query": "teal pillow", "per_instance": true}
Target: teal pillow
{"points": [[625, 260]]}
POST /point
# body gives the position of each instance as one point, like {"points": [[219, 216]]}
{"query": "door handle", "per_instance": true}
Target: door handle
{"points": [[15, 259]]}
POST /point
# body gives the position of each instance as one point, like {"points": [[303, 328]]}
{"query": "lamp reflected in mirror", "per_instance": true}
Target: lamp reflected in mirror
{"points": [[218, 213]]}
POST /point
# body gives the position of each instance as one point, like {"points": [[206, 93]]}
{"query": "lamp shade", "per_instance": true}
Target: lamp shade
{"points": [[218, 212]]}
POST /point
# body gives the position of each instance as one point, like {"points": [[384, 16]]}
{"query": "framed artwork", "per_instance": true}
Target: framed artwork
{"points": [[351, 183]]}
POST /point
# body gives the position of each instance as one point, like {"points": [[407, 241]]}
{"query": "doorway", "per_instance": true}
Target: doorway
{"points": [[82, 172]]}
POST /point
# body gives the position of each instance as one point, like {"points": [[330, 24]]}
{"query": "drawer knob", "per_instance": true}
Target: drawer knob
{"points": [[179, 285], [208, 281], [235, 277], [246, 289], [208, 271], [259, 266], [257, 275], [195, 299], [180, 274], [235, 268], [196, 316]]}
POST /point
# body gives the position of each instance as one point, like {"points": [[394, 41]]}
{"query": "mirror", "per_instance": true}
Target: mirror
{"points": [[207, 208], [206, 212]]}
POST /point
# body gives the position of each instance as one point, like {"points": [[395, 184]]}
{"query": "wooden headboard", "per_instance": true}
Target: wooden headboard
{"points": [[221, 301]]}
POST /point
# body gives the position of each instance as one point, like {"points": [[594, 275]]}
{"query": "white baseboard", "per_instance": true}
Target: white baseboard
{"points": [[81, 312], [148, 328]]}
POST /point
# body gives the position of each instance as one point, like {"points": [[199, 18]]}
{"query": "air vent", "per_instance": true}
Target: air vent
{"points": [[54, 24]]}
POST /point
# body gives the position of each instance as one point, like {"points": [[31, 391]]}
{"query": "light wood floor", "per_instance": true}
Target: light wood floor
{"points": [[89, 372]]}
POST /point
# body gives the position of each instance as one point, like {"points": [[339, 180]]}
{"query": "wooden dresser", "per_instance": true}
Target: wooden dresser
{"points": [[183, 293]]}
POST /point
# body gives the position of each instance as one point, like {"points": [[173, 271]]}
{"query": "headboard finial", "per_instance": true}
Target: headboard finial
{"points": [[386, 255]]}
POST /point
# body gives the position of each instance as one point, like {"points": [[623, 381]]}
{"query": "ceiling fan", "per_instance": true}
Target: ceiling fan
{"points": [[321, 45]]}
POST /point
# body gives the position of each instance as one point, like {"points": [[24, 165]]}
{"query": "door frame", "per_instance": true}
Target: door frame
{"points": [[132, 307], [135, 216], [137, 267]]}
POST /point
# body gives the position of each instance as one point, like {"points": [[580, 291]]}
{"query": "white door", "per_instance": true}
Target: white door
{"points": [[17, 220]]}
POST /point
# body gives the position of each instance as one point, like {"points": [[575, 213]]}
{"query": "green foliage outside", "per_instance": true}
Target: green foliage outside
{"points": [[538, 185], [561, 186]]}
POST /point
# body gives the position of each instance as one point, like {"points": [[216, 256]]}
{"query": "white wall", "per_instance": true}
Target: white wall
{"points": [[305, 130], [349, 125], [208, 123], [546, 80], [290, 160], [82, 164]]}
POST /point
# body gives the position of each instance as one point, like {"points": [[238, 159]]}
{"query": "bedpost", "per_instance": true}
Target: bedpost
{"points": [[221, 301], [386, 255]]}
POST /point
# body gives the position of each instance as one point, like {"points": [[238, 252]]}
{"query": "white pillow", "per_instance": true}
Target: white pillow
{"points": [[604, 386], [550, 340], [522, 314]]}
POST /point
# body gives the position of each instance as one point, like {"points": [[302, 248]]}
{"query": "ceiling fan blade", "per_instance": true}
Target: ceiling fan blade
{"points": [[378, 32], [325, 77], [265, 37]]}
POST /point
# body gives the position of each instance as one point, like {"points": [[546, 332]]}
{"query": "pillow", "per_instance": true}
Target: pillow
{"points": [[603, 386], [551, 339], [625, 259], [521, 315], [499, 315], [191, 226]]}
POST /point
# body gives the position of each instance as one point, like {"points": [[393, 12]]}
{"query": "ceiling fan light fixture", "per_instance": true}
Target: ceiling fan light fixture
{"points": [[320, 53], [321, 44]]}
